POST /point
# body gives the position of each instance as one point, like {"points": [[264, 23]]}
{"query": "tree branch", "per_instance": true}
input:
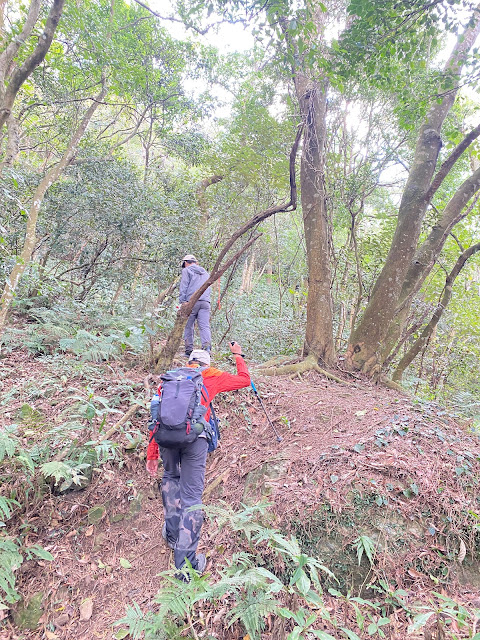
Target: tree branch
{"points": [[21, 74], [421, 342], [450, 161], [12, 48]]}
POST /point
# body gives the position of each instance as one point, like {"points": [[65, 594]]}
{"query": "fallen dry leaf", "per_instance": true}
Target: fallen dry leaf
{"points": [[415, 574], [89, 531], [86, 609]]}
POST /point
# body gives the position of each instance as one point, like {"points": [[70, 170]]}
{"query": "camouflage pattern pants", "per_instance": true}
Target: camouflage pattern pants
{"points": [[182, 487]]}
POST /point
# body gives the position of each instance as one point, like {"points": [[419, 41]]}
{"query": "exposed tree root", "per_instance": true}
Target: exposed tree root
{"points": [[276, 361], [309, 364], [391, 384]]}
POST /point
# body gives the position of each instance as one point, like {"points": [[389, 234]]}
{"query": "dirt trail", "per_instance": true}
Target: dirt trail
{"points": [[115, 561]]}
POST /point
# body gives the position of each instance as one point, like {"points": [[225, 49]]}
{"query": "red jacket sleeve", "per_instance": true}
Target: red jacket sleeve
{"points": [[152, 449], [230, 382]]}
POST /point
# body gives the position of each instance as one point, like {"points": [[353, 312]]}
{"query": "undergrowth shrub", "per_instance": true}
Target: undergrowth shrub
{"points": [[40, 455], [247, 316], [245, 594]]}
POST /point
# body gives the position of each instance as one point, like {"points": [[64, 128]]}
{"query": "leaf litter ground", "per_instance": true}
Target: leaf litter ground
{"points": [[409, 460]]}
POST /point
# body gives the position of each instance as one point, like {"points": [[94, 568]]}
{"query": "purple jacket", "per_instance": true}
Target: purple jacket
{"points": [[193, 277]]}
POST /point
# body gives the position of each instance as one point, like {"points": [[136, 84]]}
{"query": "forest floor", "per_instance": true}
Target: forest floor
{"points": [[333, 437]]}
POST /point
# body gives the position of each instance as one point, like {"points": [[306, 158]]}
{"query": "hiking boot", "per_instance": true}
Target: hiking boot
{"points": [[164, 536], [201, 563]]}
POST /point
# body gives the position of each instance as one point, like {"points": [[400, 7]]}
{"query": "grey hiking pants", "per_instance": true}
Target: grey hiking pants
{"points": [[200, 313], [182, 487]]}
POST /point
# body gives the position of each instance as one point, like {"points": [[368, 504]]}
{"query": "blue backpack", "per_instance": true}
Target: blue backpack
{"points": [[177, 414]]}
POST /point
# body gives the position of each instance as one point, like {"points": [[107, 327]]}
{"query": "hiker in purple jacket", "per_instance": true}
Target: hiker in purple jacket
{"points": [[193, 276]]}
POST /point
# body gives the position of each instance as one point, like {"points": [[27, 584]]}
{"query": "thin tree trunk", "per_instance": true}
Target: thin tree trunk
{"points": [[13, 143], [426, 334], [21, 73], [115, 298], [164, 293], [427, 253], [202, 198], [29, 243]]}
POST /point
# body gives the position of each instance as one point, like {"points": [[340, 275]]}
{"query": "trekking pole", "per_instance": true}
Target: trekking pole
{"points": [[279, 437]]}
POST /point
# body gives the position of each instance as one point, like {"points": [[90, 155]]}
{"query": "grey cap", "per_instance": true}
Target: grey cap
{"points": [[201, 355], [189, 258]]}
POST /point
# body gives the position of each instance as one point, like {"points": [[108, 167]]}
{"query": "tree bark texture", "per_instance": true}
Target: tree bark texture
{"points": [[367, 341], [202, 197], [426, 255], [426, 334], [19, 74], [29, 243], [319, 330]]}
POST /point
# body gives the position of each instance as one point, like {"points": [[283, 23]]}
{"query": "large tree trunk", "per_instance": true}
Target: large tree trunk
{"points": [[367, 341], [319, 339], [427, 254], [426, 334], [51, 176]]}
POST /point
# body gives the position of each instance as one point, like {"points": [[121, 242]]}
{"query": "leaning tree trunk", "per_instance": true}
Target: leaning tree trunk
{"points": [[367, 340], [319, 339], [164, 359], [426, 334], [427, 254], [51, 176]]}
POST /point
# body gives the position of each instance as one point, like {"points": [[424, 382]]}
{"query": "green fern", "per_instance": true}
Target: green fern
{"points": [[364, 544], [9, 442], [252, 609], [244, 521], [137, 623], [6, 508], [10, 561], [89, 346], [69, 472], [11, 558]]}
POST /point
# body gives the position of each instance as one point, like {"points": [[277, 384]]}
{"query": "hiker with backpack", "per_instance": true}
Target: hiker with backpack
{"points": [[181, 430], [193, 276]]}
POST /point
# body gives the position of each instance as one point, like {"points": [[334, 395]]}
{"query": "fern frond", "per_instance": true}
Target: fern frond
{"points": [[364, 544], [8, 443], [137, 623], [6, 507], [251, 611], [10, 561]]}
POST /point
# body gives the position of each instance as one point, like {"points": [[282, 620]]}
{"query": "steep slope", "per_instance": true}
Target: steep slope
{"points": [[356, 462]]}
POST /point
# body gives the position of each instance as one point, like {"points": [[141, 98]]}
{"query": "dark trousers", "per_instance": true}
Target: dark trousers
{"points": [[182, 487], [200, 313]]}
